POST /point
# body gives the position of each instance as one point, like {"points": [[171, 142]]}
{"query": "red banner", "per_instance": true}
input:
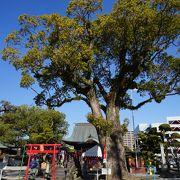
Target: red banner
{"points": [[104, 153]]}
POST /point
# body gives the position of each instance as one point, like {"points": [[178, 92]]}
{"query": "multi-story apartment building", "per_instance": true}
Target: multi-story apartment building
{"points": [[128, 140]]}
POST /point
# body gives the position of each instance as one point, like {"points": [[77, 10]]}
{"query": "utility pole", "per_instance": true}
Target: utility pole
{"points": [[135, 143]]}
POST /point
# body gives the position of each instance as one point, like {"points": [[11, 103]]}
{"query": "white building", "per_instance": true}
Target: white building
{"points": [[174, 123]]}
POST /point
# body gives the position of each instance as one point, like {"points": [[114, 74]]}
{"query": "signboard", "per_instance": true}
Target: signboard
{"points": [[106, 171]]}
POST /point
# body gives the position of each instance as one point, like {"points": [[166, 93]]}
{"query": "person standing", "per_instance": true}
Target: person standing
{"points": [[43, 168], [33, 168], [47, 171], [5, 160], [85, 174], [62, 158]]}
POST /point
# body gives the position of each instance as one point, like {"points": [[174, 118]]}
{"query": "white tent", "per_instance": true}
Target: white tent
{"points": [[94, 151]]}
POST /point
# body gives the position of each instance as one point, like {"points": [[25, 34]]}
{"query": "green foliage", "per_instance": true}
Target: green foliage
{"points": [[32, 125], [26, 80], [79, 8], [6, 107], [164, 128], [111, 53], [102, 125], [173, 142], [175, 135], [136, 39], [125, 125]]}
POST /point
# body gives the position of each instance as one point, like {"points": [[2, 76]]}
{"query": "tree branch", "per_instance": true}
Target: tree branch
{"points": [[131, 107], [103, 107], [101, 88], [34, 90], [67, 100]]}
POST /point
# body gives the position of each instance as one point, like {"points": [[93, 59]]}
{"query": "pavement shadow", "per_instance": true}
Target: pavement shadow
{"points": [[170, 174]]}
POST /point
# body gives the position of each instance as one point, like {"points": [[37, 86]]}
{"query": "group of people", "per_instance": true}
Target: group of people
{"points": [[8, 160], [39, 165], [42, 164]]}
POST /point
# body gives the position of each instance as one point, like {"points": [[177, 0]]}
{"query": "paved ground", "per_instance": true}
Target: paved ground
{"points": [[156, 177], [60, 175]]}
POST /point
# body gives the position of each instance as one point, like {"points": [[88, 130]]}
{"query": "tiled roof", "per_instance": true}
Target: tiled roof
{"points": [[83, 132]]}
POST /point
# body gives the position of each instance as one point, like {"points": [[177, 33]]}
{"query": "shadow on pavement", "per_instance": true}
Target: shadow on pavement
{"points": [[170, 174]]}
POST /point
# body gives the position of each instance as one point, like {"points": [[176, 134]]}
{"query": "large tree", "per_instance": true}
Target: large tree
{"points": [[24, 124], [98, 59]]}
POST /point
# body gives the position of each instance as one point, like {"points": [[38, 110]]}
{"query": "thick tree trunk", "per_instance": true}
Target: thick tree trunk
{"points": [[115, 150], [116, 157]]}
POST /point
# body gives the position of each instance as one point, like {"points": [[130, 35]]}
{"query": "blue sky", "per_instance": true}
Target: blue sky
{"points": [[76, 111]]}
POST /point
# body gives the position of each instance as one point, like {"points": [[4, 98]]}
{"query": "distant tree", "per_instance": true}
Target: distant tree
{"points": [[149, 143], [173, 148], [125, 125], [6, 107], [26, 124], [164, 128], [174, 145], [98, 59], [175, 135]]}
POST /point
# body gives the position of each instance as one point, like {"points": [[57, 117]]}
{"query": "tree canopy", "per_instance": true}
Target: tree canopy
{"points": [[164, 128], [25, 124], [126, 49]]}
